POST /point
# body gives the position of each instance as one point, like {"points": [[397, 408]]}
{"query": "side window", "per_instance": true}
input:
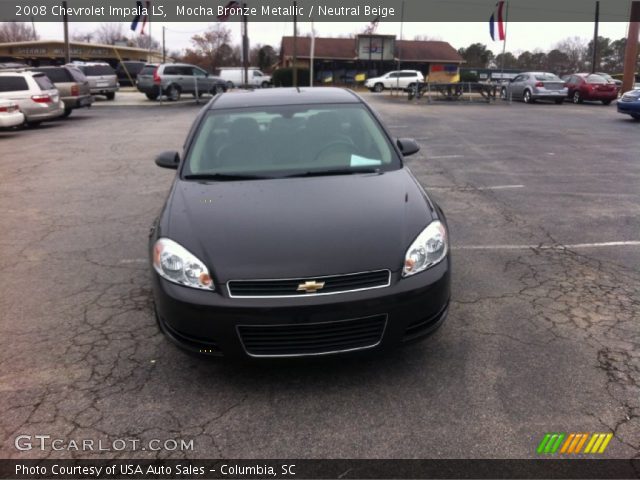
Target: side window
{"points": [[198, 72], [170, 70], [393, 75], [186, 71], [257, 73], [13, 84], [518, 78]]}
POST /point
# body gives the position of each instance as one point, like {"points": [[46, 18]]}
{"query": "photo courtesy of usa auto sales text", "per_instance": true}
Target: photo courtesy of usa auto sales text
{"points": [[136, 469]]}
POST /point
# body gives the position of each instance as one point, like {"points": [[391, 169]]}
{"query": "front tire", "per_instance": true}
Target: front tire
{"points": [[265, 85], [67, 112], [111, 95], [152, 96], [577, 98], [606, 102], [378, 87]]}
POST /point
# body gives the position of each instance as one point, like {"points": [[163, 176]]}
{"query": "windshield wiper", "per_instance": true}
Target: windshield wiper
{"points": [[337, 171], [223, 176]]}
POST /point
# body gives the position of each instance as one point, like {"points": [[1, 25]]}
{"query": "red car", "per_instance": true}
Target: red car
{"points": [[589, 86]]}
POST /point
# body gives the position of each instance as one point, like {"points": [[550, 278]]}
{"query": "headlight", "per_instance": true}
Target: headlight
{"points": [[175, 263], [429, 248]]}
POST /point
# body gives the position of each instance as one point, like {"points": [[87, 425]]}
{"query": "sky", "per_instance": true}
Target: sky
{"points": [[521, 36]]}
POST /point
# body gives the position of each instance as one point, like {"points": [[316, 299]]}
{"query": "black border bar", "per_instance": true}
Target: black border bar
{"points": [[317, 10], [321, 469]]}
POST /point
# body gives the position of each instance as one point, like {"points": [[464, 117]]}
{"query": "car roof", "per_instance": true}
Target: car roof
{"points": [[21, 72], [284, 96]]}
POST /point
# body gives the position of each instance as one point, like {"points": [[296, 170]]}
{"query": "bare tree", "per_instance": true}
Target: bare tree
{"points": [[427, 38], [79, 36], [576, 50], [213, 47], [110, 33], [144, 41], [17, 32]]}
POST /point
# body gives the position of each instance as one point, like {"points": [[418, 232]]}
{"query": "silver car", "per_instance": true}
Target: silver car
{"points": [[34, 93], [174, 79], [102, 78], [532, 86]]}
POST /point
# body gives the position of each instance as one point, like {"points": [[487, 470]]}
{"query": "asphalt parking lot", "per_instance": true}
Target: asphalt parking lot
{"points": [[543, 334]]}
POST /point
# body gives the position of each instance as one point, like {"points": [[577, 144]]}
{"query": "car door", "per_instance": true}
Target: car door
{"points": [[202, 77], [515, 86], [390, 79], [186, 79], [405, 79]]}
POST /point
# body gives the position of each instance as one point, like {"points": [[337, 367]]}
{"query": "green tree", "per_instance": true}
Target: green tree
{"points": [[510, 60], [477, 55], [558, 62]]}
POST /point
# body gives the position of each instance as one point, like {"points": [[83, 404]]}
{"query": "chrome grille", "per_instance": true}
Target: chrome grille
{"points": [[300, 287]]}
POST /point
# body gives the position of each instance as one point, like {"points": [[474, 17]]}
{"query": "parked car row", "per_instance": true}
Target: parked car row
{"points": [[532, 86], [48, 92]]}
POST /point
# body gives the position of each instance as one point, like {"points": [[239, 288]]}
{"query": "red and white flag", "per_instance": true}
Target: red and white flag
{"points": [[497, 18]]}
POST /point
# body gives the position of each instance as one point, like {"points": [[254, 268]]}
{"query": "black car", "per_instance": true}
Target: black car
{"points": [[128, 71], [293, 228]]}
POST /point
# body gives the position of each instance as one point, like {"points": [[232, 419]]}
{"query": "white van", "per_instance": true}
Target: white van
{"points": [[234, 76]]}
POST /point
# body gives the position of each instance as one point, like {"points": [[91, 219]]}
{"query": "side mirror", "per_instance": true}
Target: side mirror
{"points": [[407, 146], [168, 160]]}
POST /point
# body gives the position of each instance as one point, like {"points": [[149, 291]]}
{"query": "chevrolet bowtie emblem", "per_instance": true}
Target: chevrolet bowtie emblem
{"points": [[310, 287]]}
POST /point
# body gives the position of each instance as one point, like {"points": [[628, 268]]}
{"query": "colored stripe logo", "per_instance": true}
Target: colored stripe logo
{"points": [[573, 443]]}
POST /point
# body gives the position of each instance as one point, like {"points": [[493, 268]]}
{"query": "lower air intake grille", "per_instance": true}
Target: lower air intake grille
{"points": [[312, 338]]}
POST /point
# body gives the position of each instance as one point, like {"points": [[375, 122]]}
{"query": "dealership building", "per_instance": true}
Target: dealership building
{"points": [[51, 52], [346, 60]]}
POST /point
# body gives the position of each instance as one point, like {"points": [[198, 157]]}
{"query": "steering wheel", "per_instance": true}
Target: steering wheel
{"points": [[336, 144]]}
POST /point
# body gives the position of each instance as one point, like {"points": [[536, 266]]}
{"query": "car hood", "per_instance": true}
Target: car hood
{"points": [[298, 227]]}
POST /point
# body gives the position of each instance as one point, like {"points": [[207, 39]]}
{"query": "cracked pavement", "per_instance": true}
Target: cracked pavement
{"points": [[538, 339]]}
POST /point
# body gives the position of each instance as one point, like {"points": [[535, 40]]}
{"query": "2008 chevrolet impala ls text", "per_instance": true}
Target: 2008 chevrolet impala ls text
{"points": [[292, 228]]}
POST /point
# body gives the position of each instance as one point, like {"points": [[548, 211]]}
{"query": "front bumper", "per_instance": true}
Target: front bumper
{"points": [[629, 107], [207, 322]]}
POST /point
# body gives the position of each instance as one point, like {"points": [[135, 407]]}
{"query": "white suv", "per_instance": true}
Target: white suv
{"points": [[397, 79], [34, 93]]}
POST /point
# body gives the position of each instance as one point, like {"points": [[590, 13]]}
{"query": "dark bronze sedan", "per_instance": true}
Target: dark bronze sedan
{"points": [[292, 228]]}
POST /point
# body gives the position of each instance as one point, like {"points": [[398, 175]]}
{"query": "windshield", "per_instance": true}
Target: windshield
{"points": [[290, 140]]}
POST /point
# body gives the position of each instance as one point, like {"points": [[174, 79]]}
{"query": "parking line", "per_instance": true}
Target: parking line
{"points": [[630, 243], [471, 188], [500, 187], [437, 157]]}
